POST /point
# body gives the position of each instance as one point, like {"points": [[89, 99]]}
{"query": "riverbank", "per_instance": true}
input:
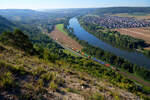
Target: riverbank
{"points": [[127, 65]]}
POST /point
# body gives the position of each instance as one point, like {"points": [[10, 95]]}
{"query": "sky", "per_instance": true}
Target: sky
{"points": [[53, 4]]}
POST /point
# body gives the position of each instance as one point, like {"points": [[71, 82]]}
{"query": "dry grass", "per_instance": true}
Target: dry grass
{"points": [[64, 39]]}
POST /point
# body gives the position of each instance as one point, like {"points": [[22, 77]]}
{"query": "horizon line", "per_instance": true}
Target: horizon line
{"points": [[68, 8]]}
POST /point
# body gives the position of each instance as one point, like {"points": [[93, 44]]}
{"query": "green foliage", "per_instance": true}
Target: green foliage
{"points": [[53, 85], [117, 61], [5, 24], [40, 82], [61, 28], [114, 10], [96, 96], [6, 76], [6, 79], [18, 40], [48, 77], [73, 90], [49, 56], [146, 52], [38, 71]]}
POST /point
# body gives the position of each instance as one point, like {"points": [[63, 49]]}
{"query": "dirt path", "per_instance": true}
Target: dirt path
{"points": [[64, 39]]}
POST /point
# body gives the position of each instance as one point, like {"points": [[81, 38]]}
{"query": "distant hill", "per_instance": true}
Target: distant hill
{"points": [[17, 11], [5, 24], [114, 10], [73, 10], [21, 14], [28, 15]]}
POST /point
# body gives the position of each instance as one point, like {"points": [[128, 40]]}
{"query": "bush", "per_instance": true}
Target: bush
{"points": [[40, 83], [6, 80], [18, 40], [96, 96], [53, 86]]}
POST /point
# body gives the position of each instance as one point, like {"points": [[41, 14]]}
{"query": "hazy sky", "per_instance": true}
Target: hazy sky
{"points": [[46, 4]]}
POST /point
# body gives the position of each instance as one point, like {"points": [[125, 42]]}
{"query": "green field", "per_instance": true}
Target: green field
{"points": [[61, 28]]}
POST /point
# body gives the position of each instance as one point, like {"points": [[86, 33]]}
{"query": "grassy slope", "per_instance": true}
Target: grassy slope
{"points": [[37, 78], [27, 77], [61, 28]]}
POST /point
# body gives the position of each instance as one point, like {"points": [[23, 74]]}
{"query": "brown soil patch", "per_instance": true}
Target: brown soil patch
{"points": [[141, 33], [64, 39]]}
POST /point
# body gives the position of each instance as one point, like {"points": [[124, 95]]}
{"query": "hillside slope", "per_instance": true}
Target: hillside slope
{"points": [[26, 77], [5, 24], [114, 10]]}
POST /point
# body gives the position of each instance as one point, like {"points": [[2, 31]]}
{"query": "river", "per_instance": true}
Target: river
{"points": [[82, 34]]}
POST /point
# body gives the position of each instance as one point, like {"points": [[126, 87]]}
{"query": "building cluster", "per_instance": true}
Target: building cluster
{"points": [[117, 22]]}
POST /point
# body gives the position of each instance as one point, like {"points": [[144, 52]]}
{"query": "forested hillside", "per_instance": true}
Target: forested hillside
{"points": [[114, 10], [5, 24], [18, 40]]}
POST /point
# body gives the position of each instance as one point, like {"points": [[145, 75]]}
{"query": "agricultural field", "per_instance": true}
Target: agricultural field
{"points": [[61, 36], [139, 16], [60, 27], [141, 33]]}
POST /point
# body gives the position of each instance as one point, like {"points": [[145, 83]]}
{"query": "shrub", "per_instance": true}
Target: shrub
{"points": [[38, 71], [53, 86], [40, 82], [96, 96], [6, 80], [73, 90], [48, 77]]}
